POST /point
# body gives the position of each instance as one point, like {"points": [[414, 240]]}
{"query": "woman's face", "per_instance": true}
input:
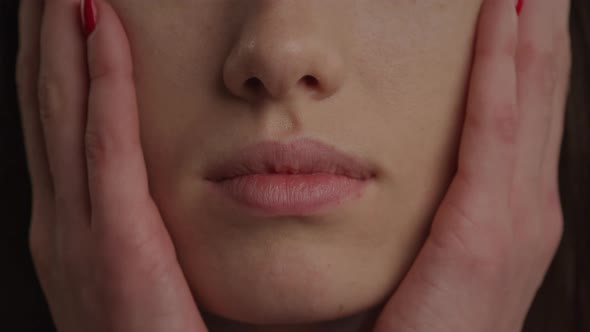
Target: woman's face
{"points": [[390, 83]]}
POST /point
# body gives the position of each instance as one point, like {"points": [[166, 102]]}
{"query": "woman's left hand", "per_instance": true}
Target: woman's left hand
{"points": [[500, 223]]}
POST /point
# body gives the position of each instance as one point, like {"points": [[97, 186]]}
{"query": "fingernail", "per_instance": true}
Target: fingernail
{"points": [[88, 14], [519, 6]]}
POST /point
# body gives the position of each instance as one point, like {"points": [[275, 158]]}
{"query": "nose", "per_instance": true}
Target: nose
{"points": [[282, 53]]}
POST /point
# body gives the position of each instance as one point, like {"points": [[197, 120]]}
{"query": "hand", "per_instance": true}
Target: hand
{"points": [[100, 248], [500, 223]]}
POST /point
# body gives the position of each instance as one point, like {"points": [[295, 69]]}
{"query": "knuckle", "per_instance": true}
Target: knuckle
{"points": [[535, 52], [51, 99], [500, 118], [102, 70], [505, 121], [538, 64], [506, 48], [97, 147]]}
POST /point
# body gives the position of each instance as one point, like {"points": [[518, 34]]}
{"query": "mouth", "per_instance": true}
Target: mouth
{"points": [[297, 178], [297, 158]]}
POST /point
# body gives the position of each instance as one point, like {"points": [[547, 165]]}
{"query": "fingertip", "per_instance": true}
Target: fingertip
{"points": [[88, 15], [497, 29], [108, 48], [519, 4]]}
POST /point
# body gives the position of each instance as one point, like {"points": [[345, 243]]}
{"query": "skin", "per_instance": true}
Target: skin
{"points": [[125, 239], [199, 110]]}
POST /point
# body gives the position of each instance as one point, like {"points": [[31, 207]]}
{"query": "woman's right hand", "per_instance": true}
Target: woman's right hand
{"points": [[99, 245]]}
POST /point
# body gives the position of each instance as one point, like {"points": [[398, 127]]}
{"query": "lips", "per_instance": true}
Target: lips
{"points": [[304, 156], [304, 177]]}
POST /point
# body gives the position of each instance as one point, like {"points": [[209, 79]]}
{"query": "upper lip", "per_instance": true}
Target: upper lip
{"points": [[303, 156]]}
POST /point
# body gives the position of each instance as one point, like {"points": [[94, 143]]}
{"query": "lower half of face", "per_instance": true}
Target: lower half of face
{"points": [[396, 74], [293, 269]]}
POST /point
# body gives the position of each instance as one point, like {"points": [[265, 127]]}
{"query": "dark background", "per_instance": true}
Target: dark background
{"points": [[561, 305], [22, 306]]}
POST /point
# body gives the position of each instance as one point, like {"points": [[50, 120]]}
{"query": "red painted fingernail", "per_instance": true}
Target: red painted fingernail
{"points": [[519, 6], [88, 14]]}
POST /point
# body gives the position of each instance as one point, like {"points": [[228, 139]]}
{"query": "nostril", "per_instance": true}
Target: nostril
{"points": [[310, 81], [254, 84]]}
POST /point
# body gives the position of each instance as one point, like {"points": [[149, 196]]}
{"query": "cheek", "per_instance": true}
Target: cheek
{"points": [[417, 78], [173, 73]]}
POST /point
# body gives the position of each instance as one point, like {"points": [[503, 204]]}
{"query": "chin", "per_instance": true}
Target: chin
{"points": [[286, 286], [293, 270], [272, 307]]}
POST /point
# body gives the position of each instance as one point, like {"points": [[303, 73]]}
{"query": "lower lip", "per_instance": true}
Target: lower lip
{"points": [[271, 195]]}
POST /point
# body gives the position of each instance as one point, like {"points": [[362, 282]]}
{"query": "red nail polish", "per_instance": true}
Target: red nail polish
{"points": [[519, 6], [88, 14]]}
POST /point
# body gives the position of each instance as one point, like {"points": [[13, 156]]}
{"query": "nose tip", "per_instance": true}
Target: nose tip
{"points": [[281, 68]]}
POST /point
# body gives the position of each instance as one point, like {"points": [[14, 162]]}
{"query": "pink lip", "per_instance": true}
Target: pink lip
{"points": [[298, 178]]}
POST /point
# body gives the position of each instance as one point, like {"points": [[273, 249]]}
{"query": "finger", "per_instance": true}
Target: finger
{"points": [[487, 149], [536, 72], [26, 76], [62, 96], [117, 174], [563, 65], [41, 229]]}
